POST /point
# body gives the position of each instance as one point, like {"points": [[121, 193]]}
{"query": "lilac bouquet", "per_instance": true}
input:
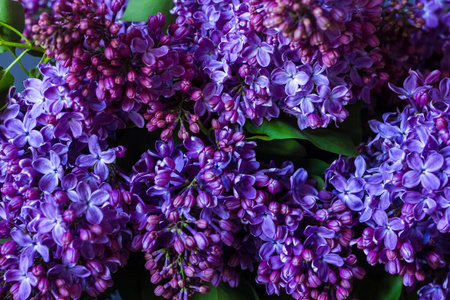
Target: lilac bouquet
{"points": [[207, 150]]}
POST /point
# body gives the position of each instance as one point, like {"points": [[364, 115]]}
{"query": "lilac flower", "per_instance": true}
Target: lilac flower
{"points": [[261, 50], [290, 77], [89, 202], [51, 221], [30, 245], [145, 45], [322, 259], [97, 158], [52, 170], [350, 191], [386, 229], [423, 172], [23, 132], [69, 271], [26, 279]]}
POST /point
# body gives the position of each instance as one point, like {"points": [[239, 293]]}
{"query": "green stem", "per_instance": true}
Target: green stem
{"points": [[16, 31], [20, 64], [16, 60], [23, 46]]}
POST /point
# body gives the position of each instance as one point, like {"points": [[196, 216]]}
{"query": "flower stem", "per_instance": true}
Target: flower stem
{"points": [[20, 64], [23, 46], [17, 32], [16, 60]]}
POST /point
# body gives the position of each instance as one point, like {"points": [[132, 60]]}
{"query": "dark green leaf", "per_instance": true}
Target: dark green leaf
{"points": [[325, 139], [11, 13], [290, 148], [212, 295], [6, 81], [316, 169], [379, 285], [352, 124], [140, 10]]}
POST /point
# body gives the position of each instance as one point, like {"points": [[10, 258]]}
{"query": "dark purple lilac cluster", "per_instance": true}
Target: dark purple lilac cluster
{"points": [[134, 68], [62, 197], [400, 186]]}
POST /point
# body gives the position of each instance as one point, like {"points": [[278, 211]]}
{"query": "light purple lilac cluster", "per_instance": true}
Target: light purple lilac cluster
{"points": [[254, 72], [62, 197], [400, 187], [207, 209], [432, 43]]}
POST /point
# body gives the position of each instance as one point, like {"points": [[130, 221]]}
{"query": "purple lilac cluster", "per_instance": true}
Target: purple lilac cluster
{"points": [[433, 42], [207, 209], [62, 199], [254, 72], [400, 187]]}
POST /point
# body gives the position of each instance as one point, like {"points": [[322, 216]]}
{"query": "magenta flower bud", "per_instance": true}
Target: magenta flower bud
{"points": [[334, 225], [43, 285], [201, 240], [244, 71], [341, 293], [127, 198], [72, 255], [189, 271], [372, 258], [38, 270], [358, 272], [67, 238], [69, 215], [345, 273], [420, 275], [407, 252], [178, 246], [8, 247], [204, 289], [391, 254], [31, 194], [204, 200], [323, 297], [85, 235], [274, 207], [15, 203], [338, 206], [60, 282], [330, 57], [61, 197], [116, 5], [197, 95], [321, 215], [441, 123], [351, 259], [422, 97], [314, 280], [190, 242], [202, 224], [307, 255], [95, 267]]}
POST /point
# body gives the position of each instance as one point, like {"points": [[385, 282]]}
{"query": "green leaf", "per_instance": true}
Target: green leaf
{"points": [[291, 148], [140, 10], [323, 138], [316, 169], [11, 13], [395, 289], [212, 295], [6, 81], [352, 125]]}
